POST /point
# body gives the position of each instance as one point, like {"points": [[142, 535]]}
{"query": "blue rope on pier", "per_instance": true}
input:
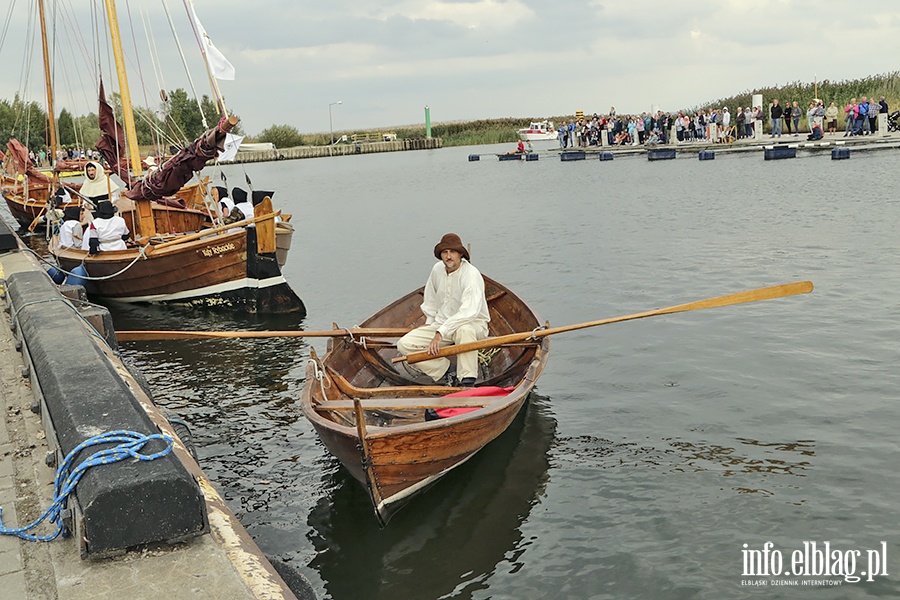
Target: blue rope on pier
{"points": [[130, 444]]}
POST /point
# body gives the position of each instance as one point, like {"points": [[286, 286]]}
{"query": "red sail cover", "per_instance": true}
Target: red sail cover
{"points": [[111, 144], [21, 162], [179, 169], [488, 390]]}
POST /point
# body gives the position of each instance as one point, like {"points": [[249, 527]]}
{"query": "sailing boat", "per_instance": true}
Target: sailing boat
{"points": [[28, 201], [26, 190], [230, 266]]}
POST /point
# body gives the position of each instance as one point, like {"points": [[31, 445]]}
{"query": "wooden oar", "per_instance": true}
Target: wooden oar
{"points": [[205, 232], [768, 293], [37, 218], [138, 335]]}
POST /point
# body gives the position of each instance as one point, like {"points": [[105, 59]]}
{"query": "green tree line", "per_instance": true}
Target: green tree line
{"points": [[179, 119]]}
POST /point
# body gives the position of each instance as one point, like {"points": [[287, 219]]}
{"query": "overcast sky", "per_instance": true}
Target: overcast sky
{"points": [[470, 59]]}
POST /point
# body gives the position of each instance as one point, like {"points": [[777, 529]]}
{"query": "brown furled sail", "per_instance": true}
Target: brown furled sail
{"points": [[111, 144], [179, 169], [22, 164]]}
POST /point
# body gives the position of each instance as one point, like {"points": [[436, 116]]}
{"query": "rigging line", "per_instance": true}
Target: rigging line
{"points": [[26, 57], [140, 69], [154, 53], [24, 78], [148, 32], [184, 63], [154, 127], [76, 122], [74, 33], [176, 130], [9, 14], [95, 40]]}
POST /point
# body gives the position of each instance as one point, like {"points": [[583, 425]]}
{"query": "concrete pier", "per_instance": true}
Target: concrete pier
{"points": [[338, 150], [222, 562], [747, 146]]}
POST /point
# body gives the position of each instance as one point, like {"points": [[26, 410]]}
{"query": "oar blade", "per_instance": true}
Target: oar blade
{"points": [[767, 293]]}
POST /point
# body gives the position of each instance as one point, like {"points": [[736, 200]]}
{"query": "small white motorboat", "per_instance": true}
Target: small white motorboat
{"points": [[538, 130]]}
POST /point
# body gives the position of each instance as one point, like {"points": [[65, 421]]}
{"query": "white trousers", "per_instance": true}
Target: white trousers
{"points": [[418, 339]]}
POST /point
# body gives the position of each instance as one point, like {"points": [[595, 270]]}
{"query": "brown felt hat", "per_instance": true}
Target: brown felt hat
{"points": [[450, 241]]}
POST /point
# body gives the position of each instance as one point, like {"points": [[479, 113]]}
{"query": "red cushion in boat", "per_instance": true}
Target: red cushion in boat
{"points": [[488, 390]]}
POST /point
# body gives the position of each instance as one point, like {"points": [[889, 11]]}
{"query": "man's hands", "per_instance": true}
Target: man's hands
{"points": [[435, 346]]}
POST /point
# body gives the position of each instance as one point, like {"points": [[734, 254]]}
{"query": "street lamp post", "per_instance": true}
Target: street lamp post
{"points": [[330, 122]]}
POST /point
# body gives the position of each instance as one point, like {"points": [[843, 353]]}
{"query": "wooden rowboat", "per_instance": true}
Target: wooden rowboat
{"points": [[370, 414]]}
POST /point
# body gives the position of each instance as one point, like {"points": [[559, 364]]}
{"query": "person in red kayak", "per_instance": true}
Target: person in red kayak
{"points": [[456, 312]]}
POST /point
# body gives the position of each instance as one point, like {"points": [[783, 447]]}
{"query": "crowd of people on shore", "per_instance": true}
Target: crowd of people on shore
{"points": [[41, 158], [721, 125]]}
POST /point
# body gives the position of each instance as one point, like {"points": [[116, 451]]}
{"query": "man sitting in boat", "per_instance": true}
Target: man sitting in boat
{"points": [[225, 203], [97, 184], [456, 312], [70, 231], [107, 231], [242, 208]]}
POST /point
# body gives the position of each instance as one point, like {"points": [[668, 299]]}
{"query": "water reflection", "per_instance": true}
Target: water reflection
{"points": [[681, 455], [448, 541], [238, 395]]}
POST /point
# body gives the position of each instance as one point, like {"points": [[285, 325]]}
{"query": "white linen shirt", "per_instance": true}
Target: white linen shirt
{"points": [[109, 231], [454, 299], [70, 234]]}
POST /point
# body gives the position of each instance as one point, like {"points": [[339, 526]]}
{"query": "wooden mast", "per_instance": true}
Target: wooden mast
{"points": [[51, 114], [144, 207]]}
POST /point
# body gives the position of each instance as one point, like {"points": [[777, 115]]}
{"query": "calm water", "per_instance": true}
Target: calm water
{"points": [[655, 449]]}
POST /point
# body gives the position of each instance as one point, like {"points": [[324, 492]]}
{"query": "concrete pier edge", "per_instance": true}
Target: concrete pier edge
{"points": [[224, 563]]}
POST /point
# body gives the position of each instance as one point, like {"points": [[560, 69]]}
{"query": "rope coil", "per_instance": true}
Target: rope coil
{"points": [[534, 331], [321, 378], [486, 355], [130, 445]]}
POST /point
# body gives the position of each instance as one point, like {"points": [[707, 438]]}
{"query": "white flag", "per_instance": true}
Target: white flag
{"points": [[232, 143], [218, 64]]}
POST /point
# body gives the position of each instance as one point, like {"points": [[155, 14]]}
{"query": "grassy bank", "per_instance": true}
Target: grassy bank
{"points": [[457, 133], [839, 92]]}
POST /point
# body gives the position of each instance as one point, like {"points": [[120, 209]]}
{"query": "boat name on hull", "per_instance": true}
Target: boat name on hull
{"points": [[215, 250]]}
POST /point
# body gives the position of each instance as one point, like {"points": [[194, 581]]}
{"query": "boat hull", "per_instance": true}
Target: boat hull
{"points": [[25, 211], [538, 131], [396, 454], [436, 450], [222, 271], [536, 135]]}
